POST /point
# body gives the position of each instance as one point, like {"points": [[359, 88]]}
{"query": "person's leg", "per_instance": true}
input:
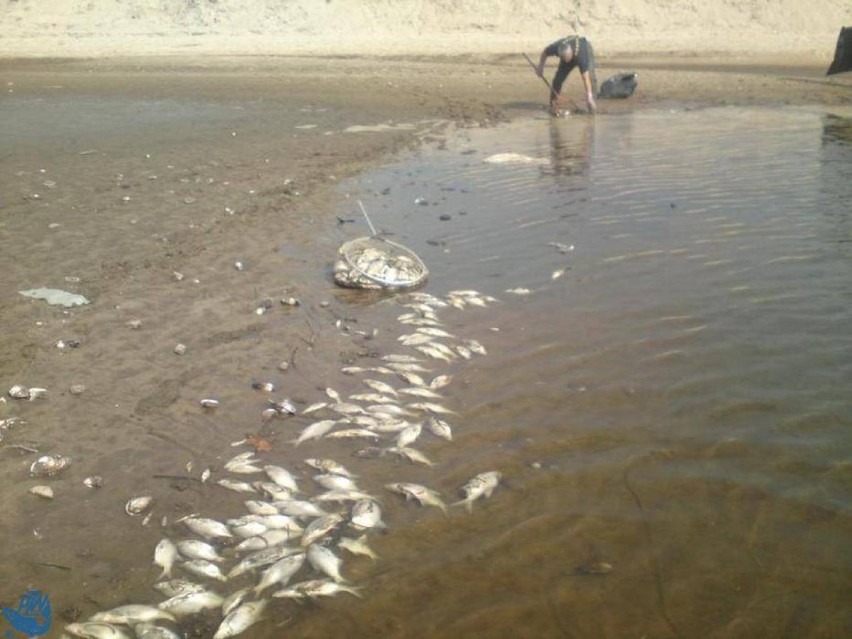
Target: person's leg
{"points": [[559, 77], [592, 74]]}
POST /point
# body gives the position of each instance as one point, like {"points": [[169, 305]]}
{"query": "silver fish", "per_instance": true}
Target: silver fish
{"points": [[164, 556], [480, 486], [411, 454], [357, 546], [242, 467], [317, 588], [195, 549], [431, 407], [133, 613], [282, 477], [240, 619], [352, 433], [332, 394], [411, 378], [380, 387], [175, 587], [236, 486], [150, 631], [207, 528], [401, 359], [191, 603], [425, 496], [234, 599], [440, 381], [262, 558], [296, 508], [260, 507], [280, 572], [314, 407], [342, 495], [204, 568], [138, 505], [440, 428], [96, 630], [325, 561], [315, 431], [245, 529], [408, 435], [332, 482], [328, 466], [268, 539], [319, 528], [366, 514]]}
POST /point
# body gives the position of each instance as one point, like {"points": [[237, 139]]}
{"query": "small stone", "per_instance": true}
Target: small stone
{"points": [[445, 217], [135, 324], [177, 276], [95, 481], [77, 389], [283, 366], [239, 266], [180, 349], [325, 304], [45, 492]]}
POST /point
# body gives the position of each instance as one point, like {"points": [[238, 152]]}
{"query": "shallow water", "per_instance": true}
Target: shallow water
{"points": [[674, 405]]}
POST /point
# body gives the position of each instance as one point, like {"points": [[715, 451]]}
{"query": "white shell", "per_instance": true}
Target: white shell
{"points": [[19, 391], [49, 465], [138, 505], [42, 491], [95, 481]]}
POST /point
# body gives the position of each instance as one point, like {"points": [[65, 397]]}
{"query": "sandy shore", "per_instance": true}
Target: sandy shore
{"points": [[137, 199]]}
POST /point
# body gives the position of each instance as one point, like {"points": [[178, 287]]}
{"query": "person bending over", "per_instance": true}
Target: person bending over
{"points": [[572, 51]]}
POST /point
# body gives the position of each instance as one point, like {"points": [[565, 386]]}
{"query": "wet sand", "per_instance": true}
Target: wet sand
{"points": [[157, 166]]}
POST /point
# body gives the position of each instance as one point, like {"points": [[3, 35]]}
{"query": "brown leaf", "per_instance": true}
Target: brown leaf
{"points": [[260, 443]]}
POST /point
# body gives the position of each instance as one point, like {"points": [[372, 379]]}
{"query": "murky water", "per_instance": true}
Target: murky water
{"points": [[666, 392]]}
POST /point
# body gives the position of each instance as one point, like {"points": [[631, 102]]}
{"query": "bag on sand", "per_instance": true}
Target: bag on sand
{"points": [[843, 53], [618, 86]]}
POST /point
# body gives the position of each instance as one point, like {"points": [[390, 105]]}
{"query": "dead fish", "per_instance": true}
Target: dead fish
{"points": [[401, 359], [296, 508], [280, 572], [432, 352], [325, 561], [260, 507], [380, 387], [240, 619], [272, 490], [434, 332], [315, 431], [209, 403], [557, 274], [204, 568], [281, 522], [408, 435], [207, 528], [237, 486], [328, 466], [346, 408], [409, 368], [246, 529], [463, 351], [319, 528], [391, 426], [367, 397], [411, 454], [480, 486], [96, 630], [191, 603], [440, 381], [267, 539], [331, 481], [195, 549], [261, 558], [332, 394], [284, 406], [342, 495], [440, 428], [242, 467], [425, 496], [357, 546], [314, 407], [282, 477], [131, 614], [318, 588], [352, 433], [519, 291], [414, 339], [476, 347], [234, 599], [366, 514], [150, 631], [419, 391], [138, 505], [431, 407], [175, 587], [164, 556], [392, 409], [353, 370]]}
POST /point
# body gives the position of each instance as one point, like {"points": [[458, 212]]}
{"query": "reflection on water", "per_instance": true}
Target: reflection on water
{"points": [[669, 405], [675, 406]]}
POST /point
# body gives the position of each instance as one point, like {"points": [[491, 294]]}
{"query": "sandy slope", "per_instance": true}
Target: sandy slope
{"points": [[109, 27]]}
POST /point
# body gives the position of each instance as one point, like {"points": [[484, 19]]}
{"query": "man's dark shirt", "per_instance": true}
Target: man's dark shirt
{"points": [[580, 48]]}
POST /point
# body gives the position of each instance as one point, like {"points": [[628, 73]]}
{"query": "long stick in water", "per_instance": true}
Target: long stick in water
{"points": [[367, 217]]}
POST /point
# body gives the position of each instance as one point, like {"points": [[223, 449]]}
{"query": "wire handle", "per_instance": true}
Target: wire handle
{"points": [[367, 217]]}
